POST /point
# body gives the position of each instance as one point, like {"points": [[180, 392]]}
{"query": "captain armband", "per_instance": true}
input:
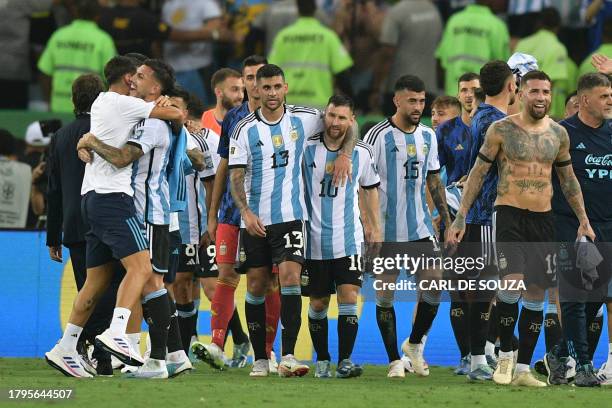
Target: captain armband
{"points": [[484, 158], [563, 163]]}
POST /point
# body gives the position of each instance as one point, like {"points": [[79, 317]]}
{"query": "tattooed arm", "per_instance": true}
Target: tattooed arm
{"points": [[197, 159], [252, 223], [486, 157], [119, 158], [343, 165], [571, 187], [438, 195]]}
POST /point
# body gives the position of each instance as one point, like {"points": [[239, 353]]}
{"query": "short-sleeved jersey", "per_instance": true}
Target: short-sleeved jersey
{"points": [[481, 212], [310, 54], [454, 141], [272, 156], [149, 177], [403, 161], [193, 220], [112, 118], [334, 228], [228, 212], [472, 37], [76, 49], [591, 152]]}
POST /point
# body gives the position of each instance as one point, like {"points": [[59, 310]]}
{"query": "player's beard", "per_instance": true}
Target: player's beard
{"points": [[228, 103], [412, 120], [338, 132], [538, 113]]}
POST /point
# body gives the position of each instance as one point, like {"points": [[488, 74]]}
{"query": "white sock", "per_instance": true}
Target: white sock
{"points": [[118, 325], [134, 339], [489, 349], [521, 368], [477, 360], [424, 340], [71, 337], [176, 356], [506, 354]]}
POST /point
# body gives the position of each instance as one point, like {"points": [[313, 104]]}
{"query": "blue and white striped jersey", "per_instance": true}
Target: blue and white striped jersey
{"points": [[149, 179], [403, 160], [334, 228], [272, 156], [193, 221], [453, 199]]}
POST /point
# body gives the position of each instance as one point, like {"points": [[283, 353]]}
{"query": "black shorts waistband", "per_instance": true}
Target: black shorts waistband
{"points": [[523, 211]]}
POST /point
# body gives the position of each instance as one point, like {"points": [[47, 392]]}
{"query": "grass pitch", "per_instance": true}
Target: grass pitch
{"points": [[204, 387]]}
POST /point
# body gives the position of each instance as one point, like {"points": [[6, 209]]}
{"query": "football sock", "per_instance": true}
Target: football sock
{"points": [[118, 324], [174, 332], [529, 326], [460, 322], [348, 325], [222, 308], [186, 320], [156, 309], [71, 337], [318, 327], [552, 328], [291, 319], [426, 313], [479, 325], [255, 311], [385, 317], [273, 302], [493, 331], [507, 315]]}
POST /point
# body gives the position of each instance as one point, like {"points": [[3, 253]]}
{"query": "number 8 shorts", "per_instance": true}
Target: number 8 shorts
{"points": [[283, 242]]}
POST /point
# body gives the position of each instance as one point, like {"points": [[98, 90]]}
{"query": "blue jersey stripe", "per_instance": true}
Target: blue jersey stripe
{"points": [[391, 210], [327, 213], [296, 123], [426, 215], [279, 175], [256, 171], [308, 159], [410, 191], [350, 247]]}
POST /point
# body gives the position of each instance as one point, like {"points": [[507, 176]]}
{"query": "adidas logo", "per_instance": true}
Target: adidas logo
{"points": [[395, 149], [121, 317], [581, 146], [191, 262], [75, 335], [298, 253], [313, 165], [459, 147], [259, 143]]}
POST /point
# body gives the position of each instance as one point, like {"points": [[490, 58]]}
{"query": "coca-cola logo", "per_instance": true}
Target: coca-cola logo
{"points": [[599, 160]]}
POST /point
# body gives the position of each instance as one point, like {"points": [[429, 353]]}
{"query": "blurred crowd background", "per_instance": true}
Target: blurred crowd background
{"points": [[359, 47]]}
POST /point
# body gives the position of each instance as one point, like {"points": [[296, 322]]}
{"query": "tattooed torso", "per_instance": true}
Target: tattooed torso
{"points": [[525, 163]]}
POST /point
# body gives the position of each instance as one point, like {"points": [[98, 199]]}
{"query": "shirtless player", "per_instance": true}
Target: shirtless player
{"points": [[525, 146]]}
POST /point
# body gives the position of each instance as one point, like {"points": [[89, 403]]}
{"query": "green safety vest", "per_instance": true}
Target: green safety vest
{"points": [[79, 48], [471, 38], [310, 54]]}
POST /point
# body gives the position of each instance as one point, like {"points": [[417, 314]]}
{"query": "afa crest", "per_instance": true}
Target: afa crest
{"points": [[277, 140], [329, 167], [425, 149], [293, 134], [411, 149]]}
